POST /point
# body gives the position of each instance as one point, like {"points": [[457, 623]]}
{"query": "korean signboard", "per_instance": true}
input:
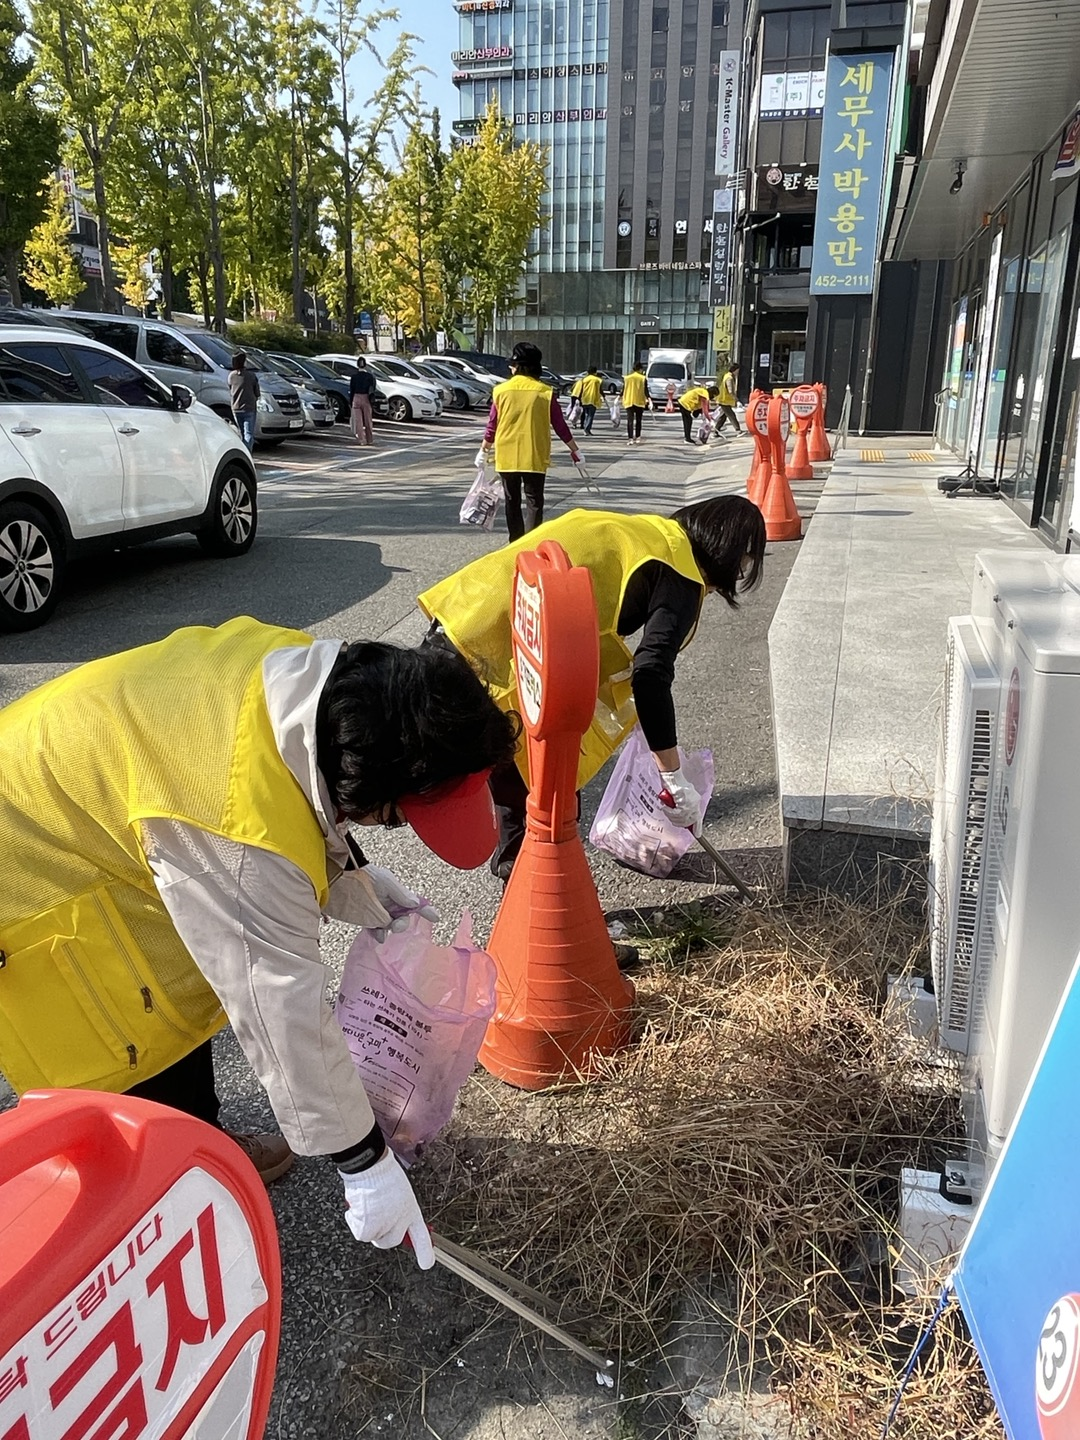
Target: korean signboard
{"points": [[791, 94], [721, 247], [854, 150], [786, 187], [727, 112]]}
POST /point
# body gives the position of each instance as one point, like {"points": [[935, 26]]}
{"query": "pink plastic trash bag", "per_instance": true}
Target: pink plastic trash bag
{"points": [[414, 1014], [632, 824]]}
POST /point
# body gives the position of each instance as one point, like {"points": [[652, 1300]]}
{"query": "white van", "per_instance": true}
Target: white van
{"points": [[665, 366]]}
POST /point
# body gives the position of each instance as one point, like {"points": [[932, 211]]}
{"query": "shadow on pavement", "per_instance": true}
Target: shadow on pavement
{"points": [[132, 597]]}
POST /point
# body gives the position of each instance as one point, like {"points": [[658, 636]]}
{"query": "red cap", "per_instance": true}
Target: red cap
{"points": [[456, 820]]}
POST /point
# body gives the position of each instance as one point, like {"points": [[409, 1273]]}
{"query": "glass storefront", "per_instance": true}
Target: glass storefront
{"points": [[1010, 394]]}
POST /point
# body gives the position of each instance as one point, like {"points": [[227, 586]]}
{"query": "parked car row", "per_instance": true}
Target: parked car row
{"points": [[113, 432]]}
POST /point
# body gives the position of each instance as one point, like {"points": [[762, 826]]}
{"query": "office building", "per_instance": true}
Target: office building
{"points": [[625, 97], [991, 187]]}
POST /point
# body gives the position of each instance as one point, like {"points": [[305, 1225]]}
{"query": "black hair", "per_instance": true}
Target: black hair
{"points": [[527, 357], [734, 365], [239, 360], [722, 532], [393, 722], [593, 370]]}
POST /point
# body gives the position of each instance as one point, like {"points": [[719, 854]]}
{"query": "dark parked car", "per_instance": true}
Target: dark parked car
{"points": [[335, 385], [493, 364], [53, 319]]}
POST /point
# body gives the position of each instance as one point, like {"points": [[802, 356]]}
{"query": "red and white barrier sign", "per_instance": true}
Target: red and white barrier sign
{"points": [[172, 1329]]}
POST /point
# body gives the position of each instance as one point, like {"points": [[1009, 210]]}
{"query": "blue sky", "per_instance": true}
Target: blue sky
{"points": [[435, 23]]}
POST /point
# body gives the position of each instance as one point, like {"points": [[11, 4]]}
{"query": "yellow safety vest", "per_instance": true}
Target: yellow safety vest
{"points": [[473, 607], [634, 389], [727, 389], [592, 390], [96, 987], [523, 432], [694, 399]]}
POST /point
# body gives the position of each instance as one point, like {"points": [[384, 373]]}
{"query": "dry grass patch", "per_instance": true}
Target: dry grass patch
{"points": [[747, 1146]]}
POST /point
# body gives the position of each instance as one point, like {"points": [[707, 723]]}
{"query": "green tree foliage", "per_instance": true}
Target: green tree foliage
{"points": [[29, 149], [50, 266], [225, 143], [492, 213]]}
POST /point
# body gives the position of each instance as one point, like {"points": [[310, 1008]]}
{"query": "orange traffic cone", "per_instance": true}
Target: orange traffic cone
{"points": [[760, 471], [669, 408], [800, 467], [560, 996], [819, 441], [782, 520]]}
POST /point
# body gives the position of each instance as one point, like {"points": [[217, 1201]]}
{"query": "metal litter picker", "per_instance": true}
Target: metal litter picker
{"points": [[498, 1285]]}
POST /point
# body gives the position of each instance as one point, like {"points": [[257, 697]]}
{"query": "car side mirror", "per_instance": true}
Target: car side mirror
{"points": [[182, 397]]}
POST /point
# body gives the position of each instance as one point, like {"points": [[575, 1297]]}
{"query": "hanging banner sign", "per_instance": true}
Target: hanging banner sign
{"points": [[854, 151], [721, 247], [727, 113]]}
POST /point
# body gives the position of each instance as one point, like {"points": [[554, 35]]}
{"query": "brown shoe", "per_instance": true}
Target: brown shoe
{"points": [[270, 1154]]}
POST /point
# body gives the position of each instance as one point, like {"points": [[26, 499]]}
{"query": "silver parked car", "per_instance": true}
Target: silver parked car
{"points": [[468, 390]]}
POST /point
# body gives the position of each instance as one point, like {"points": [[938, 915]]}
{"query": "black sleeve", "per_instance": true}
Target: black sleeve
{"points": [[664, 605]]}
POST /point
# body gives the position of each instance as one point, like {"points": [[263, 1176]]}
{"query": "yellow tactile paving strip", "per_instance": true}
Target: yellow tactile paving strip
{"points": [[921, 457], [875, 457]]}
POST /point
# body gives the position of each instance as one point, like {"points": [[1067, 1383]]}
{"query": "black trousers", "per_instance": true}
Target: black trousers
{"points": [[687, 420], [188, 1086], [588, 415], [633, 421], [532, 482]]}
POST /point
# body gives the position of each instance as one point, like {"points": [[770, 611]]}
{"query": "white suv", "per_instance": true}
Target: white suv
{"points": [[95, 453]]}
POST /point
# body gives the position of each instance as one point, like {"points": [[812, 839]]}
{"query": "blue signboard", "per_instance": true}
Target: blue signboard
{"points": [[855, 133], [1018, 1277]]}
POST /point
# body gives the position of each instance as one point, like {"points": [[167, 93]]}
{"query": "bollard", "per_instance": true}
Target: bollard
{"points": [[560, 999]]}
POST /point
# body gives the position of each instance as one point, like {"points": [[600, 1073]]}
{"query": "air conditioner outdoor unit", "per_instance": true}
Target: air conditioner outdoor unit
{"points": [[1027, 610], [958, 840]]}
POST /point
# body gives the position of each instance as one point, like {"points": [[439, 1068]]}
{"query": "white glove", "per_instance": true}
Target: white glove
{"points": [[382, 1209], [374, 899], [688, 809], [483, 457], [396, 900], [576, 458]]}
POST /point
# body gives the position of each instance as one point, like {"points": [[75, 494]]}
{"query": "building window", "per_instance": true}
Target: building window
{"points": [[719, 14], [660, 19]]}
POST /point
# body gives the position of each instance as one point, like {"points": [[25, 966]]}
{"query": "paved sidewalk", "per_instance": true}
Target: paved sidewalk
{"points": [[857, 650]]}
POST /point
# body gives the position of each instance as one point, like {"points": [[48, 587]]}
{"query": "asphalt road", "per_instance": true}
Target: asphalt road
{"points": [[347, 538]]}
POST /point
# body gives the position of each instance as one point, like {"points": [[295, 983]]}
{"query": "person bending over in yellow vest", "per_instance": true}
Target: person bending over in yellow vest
{"points": [[172, 830], [523, 413], [649, 574], [692, 402]]}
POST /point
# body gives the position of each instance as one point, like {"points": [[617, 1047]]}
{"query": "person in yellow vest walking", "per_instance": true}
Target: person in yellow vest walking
{"points": [[592, 397], [524, 411], [650, 573], [634, 400], [172, 831], [692, 402], [728, 398]]}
